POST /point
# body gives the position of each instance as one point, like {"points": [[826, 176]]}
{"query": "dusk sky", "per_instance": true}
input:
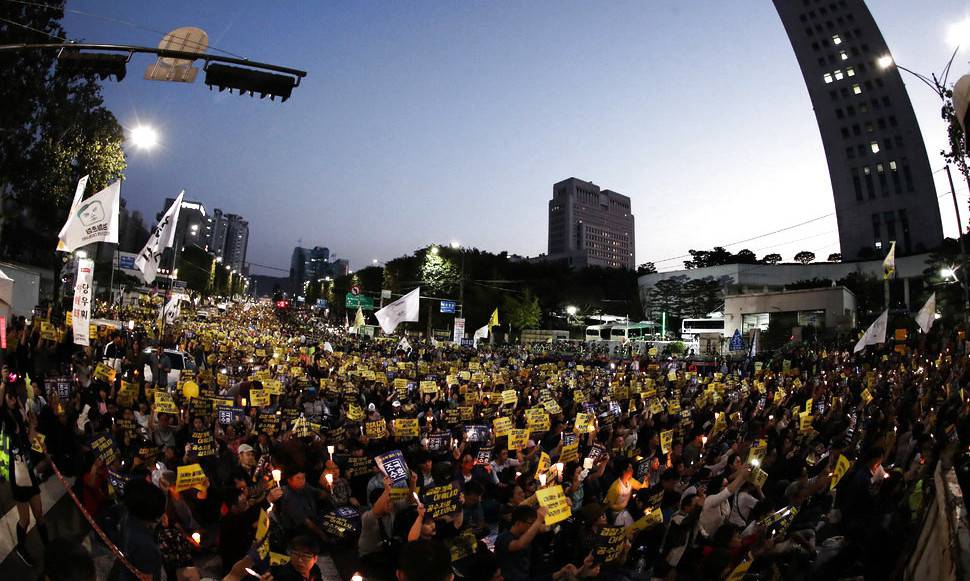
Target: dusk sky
{"points": [[426, 122]]}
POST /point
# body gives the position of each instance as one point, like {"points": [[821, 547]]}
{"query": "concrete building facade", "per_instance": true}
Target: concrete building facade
{"points": [[831, 308], [589, 226], [880, 173]]}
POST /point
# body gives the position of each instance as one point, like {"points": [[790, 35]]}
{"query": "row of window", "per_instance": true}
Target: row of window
{"points": [[838, 39], [888, 220], [873, 147], [838, 75], [856, 89], [856, 130], [880, 172], [832, 6]]}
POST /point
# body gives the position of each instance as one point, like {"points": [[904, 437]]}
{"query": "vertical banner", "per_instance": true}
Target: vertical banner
{"points": [[81, 313], [3, 332], [459, 330]]}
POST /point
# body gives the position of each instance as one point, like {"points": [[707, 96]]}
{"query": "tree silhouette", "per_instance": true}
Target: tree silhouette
{"points": [[805, 257]]}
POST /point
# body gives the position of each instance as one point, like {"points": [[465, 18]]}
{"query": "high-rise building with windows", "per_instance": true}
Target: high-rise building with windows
{"points": [[589, 226], [216, 233], [191, 227], [880, 172], [237, 243], [308, 264]]}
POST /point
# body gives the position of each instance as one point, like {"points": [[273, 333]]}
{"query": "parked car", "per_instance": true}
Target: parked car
{"points": [[179, 359]]}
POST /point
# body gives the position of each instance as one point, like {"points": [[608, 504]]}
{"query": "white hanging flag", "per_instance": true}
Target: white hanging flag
{"points": [[481, 333], [92, 220], [172, 310], [927, 315], [81, 311], [889, 264], [404, 309], [161, 238], [404, 345], [78, 194], [875, 334]]}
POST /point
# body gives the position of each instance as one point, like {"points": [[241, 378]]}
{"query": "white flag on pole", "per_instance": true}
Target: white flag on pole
{"points": [[875, 334], [481, 333], [889, 263], [161, 238], [927, 315], [78, 194], [172, 310], [404, 309], [92, 220], [81, 312]]}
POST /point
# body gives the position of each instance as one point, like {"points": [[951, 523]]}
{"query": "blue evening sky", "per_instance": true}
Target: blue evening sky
{"points": [[429, 122]]}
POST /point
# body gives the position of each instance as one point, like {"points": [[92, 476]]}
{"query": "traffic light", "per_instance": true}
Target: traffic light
{"points": [[249, 81], [103, 65]]}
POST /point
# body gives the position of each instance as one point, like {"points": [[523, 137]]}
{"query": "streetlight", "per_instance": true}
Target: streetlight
{"points": [[885, 61], [948, 272], [144, 137], [374, 262], [455, 244], [958, 33], [434, 250], [571, 310]]}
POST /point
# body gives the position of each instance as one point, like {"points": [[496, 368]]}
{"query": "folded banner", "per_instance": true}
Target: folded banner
{"points": [[161, 238], [405, 309], [92, 220], [875, 334], [81, 312]]}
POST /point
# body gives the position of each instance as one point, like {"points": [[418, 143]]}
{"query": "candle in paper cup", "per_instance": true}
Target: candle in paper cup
{"points": [[330, 450], [329, 478], [588, 463], [542, 480], [277, 474], [197, 538]]}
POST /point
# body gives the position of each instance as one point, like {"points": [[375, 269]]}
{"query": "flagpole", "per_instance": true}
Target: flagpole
{"points": [[111, 283]]}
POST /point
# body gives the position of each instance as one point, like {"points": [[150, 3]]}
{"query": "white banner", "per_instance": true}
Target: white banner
{"points": [[927, 315], [875, 334], [404, 309], [481, 333], [161, 238], [83, 293], [92, 220], [459, 330]]}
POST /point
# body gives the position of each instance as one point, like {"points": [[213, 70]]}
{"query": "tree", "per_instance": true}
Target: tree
{"points": [[835, 257], [701, 297], [646, 268], [522, 313], [773, 258], [704, 258], [313, 289], [745, 256], [438, 274], [55, 130], [195, 267], [805, 257]]}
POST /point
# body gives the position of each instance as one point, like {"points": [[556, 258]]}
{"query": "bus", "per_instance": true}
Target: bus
{"points": [[632, 331], [691, 328], [598, 332]]}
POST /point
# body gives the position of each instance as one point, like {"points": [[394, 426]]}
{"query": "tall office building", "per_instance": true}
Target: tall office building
{"points": [[216, 233], [589, 226], [880, 173], [237, 242], [313, 264]]}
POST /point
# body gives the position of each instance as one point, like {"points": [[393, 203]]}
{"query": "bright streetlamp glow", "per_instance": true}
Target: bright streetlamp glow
{"points": [[947, 272], [958, 33], [885, 61], [455, 244], [144, 137], [571, 310], [434, 250], [374, 261]]}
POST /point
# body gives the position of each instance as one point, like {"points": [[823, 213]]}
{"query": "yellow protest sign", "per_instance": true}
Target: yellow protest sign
{"points": [[866, 396], [740, 571], [258, 398], [518, 439], [841, 467], [190, 476], [537, 420], [164, 404], [509, 397], [805, 421], [354, 413], [544, 463], [555, 504], [406, 428], [666, 440], [569, 453], [428, 388], [501, 426], [376, 429], [190, 389]]}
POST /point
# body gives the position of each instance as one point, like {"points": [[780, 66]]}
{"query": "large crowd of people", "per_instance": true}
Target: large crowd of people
{"points": [[248, 444]]}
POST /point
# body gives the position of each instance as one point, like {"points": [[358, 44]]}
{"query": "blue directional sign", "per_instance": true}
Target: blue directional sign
{"points": [[737, 343], [448, 307]]}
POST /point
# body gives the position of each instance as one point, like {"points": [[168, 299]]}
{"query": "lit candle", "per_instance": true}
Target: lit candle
{"points": [[277, 474], [542, 480], [330, 450], [588, 463], [703, 441], [357, 577], [416, 499], [197, 538], [559, 468], [329, 478], [755, 462], [244, 402]]}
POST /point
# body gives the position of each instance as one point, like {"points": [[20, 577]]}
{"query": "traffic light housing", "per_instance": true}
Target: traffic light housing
{"points": [[104, 65], [249, 81]]}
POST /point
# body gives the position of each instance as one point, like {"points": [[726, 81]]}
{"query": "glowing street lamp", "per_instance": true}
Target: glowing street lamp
{"points": [[144, 137], [434, 250], [455, 244], [571, 310], [885, 61]]}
